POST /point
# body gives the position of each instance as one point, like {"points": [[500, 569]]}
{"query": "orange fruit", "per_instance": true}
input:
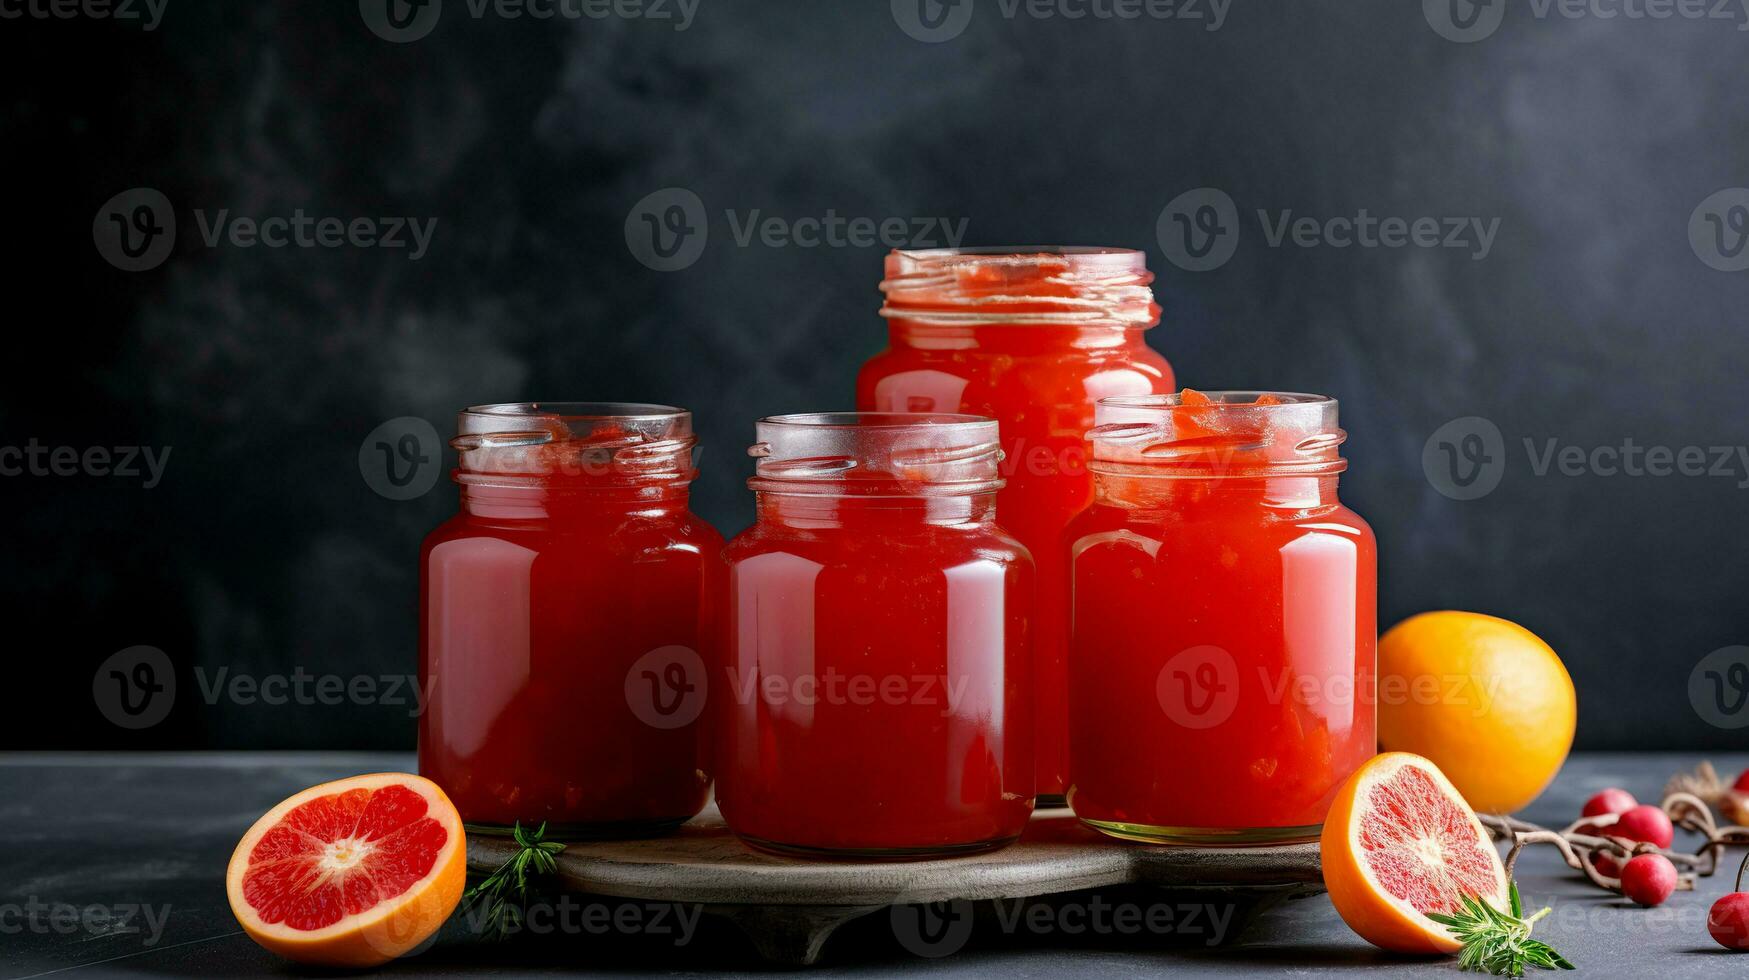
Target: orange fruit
{"points": [[350, 873], [1399, 843], [1486, 699]]}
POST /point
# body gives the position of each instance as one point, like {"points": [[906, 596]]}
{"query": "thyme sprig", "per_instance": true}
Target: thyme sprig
{"points": [[503, 894], [1499, 942]]}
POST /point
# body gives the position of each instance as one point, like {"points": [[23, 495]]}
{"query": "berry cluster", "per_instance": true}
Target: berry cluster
{"points": [[1624, 845]]}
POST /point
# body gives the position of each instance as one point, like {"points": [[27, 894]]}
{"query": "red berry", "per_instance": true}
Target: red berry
{"points": [[1742, 782], [1729, 921], [1643, 823], [1606, 865], [1648, 879], [1611, 800]]}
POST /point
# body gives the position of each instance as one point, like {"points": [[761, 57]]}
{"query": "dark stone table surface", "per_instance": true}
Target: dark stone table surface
{"points": [[113, 865]]}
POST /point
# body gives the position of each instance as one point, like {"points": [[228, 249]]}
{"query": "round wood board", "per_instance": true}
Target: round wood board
{"points": [[789, 906]]}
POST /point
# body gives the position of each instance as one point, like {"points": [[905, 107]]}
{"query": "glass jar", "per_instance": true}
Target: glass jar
{"points": [[565, 610], [877, 662], [1031, 337], [1224, 621]]}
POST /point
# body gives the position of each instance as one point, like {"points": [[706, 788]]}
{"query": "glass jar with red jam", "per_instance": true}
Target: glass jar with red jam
{"points": [[877, 700], [1031, 337], [1224, 621], [566, 613]]}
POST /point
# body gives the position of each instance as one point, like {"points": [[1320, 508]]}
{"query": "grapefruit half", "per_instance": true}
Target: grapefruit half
{"points": [[1400, 842], [350, 873]]}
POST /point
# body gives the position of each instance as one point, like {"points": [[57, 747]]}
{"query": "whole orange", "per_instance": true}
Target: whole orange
{"points": [[1484, 698]]}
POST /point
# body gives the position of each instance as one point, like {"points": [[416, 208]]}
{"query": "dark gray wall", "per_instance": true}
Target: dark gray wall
{"points": [[1591, 320]]}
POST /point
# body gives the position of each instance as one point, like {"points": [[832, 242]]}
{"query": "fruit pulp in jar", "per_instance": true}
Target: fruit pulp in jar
{"points": [[878, 671], [563, 641], [1224, 640], [1041, 383]]}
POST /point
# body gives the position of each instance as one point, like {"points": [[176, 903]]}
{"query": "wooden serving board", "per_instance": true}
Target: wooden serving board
{"points": [[789, 907]]}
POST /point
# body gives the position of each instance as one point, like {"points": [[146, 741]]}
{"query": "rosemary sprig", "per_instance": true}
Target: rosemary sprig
{"points": [[504, 893], [1499, 942]]}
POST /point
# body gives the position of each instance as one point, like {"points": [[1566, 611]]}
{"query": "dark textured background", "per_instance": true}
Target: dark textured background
{"points": [[530, 140]]}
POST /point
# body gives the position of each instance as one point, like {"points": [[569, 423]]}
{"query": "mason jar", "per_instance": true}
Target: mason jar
{"points": [[877, 691], [1031, 337], [1224, 621], [566, 620]]}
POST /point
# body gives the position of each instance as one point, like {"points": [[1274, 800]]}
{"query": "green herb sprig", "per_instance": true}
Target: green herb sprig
{"points": [[504, 893], [1499, 942]]}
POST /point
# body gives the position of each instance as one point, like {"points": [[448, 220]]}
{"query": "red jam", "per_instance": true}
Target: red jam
{"points": [[1224, 621], [1032, 338], [564, 618], [876, 700]]}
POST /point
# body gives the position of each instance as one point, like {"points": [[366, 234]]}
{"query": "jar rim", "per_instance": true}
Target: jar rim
{"points": [[569, 410], [877, 454], [574, 442], [1020, 285], [878, 420], [1231, 433], [1221, 399]]}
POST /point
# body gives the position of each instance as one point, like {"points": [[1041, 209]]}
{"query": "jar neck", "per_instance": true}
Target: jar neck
{"points": [[1012, 338], [1212, 495], [571, 502], [821, 510]]}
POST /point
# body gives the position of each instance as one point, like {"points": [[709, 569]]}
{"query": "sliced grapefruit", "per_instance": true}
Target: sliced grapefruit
{"points": [[1400, 842], [350, 873]]}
